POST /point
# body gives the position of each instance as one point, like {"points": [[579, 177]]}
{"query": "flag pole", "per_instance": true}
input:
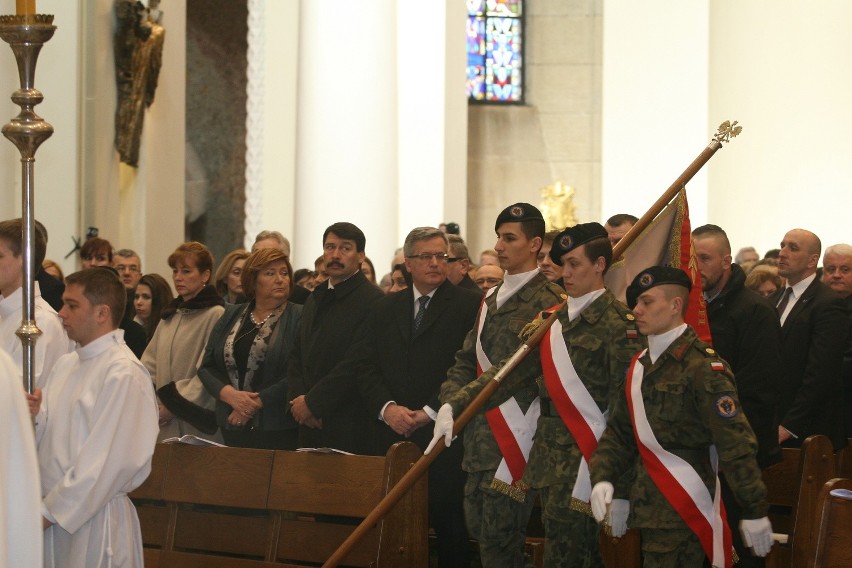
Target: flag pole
{"points": [[726, 131]]}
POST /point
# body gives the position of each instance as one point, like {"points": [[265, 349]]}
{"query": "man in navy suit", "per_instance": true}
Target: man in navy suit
{"points": [[412, 338], [814, 327]]}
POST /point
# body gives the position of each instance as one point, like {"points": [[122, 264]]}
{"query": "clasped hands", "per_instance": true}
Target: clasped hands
{"points": [[403, 420], [303, 415], [244, 404]]}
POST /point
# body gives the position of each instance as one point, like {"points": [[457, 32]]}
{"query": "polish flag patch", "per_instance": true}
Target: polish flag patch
{"points": [[717, 366]]}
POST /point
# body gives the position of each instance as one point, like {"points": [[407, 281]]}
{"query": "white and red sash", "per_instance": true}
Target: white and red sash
{"points": [[576, 407], [513, 430], [678, 481]]}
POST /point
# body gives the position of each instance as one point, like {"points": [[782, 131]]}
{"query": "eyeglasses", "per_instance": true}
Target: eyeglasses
{"points": [[427, 256], [454, 259]]}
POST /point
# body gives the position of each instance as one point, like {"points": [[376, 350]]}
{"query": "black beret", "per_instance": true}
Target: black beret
{"points": [[572, 237], [517, 213], [655, 276]]}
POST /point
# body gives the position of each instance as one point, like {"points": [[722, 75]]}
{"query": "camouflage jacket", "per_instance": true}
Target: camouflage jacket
{"points": [[601, 341], [691, 402], [500, 339]]}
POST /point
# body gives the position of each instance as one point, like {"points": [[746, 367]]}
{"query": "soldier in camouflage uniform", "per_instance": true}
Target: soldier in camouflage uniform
{"points": [[690, 405], [600, 338], [495, 519]]}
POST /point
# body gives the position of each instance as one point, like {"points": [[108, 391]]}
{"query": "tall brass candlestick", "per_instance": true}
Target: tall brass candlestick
{"points": [[26, 33]]}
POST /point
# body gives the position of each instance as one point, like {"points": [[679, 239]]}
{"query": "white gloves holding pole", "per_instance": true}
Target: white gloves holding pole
{"points": [[604, 506], [757, 535], [443, 427]]}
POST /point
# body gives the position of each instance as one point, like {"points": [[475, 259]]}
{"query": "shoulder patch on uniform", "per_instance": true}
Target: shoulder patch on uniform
{"points": [[632, 334], [726, 406], [710, 351], [717, 365]]}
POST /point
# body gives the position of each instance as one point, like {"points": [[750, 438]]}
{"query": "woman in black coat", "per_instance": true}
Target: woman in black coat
{"points": [[245, 362]]}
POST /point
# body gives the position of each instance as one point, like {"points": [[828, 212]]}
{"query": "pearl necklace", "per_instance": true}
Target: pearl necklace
{"points": [[259, 323]]}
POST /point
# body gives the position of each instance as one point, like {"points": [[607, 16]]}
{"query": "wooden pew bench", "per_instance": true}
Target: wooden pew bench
{"points": [[234, 507], [832, 528], [793, 487]]}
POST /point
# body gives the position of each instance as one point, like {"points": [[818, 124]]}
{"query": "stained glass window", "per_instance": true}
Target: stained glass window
{"points": [[494, 51]]}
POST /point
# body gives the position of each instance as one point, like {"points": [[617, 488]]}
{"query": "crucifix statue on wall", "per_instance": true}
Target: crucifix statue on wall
{"points": [[138, 47]]}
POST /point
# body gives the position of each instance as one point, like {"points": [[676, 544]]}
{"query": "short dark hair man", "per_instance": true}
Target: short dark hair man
{"points": [[746, 333], [814, 326], [495, 519], [618, 225], [96, 432], [407, 353], [322, 375]]}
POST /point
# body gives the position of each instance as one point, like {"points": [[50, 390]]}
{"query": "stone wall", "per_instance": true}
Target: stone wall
{"points": [[515, 151]]}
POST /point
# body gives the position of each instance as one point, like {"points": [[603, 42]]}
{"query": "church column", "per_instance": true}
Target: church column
{"points": [[346, 156]]}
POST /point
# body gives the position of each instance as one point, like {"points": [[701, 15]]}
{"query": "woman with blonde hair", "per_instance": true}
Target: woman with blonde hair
{"points": [[227, 279], [175, 350]]}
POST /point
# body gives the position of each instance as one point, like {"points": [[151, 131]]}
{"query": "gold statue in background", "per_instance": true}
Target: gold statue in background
{"points": [[138, 47], [557, 206]]}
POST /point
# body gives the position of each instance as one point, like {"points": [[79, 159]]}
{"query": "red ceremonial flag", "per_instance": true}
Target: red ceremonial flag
{"points": [[666, 241]]}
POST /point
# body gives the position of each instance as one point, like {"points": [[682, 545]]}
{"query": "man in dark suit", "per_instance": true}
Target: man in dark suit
{"points": [[410, 344], [746, 334], [322, 375], [814, 326]]}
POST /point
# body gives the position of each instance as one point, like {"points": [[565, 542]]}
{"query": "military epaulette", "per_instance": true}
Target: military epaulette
{"points": [[717, 364]]}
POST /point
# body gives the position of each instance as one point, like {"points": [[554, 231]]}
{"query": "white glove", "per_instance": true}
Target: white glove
{"points": [[757, 535], [601, 497], [443, 427], [618, 512]]}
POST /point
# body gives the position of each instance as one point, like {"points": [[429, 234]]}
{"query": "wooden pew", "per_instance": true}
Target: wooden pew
{"points": [[844, 460], [832, 528], [792, 490], [241, 508], [151, 506]]}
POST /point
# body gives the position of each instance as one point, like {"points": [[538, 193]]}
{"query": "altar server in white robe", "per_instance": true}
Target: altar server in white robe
{"points": [[20, 521], [96, 430], [52, 343]]}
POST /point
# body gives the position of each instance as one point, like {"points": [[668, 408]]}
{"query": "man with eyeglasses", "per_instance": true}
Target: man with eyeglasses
{"points": [[323, 372], [459, 263], [129, 267], [487, 276], [497, 508], [411, 340]]}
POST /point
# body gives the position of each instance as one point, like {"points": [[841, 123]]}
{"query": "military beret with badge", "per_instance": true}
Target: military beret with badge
{"points": [[573, 237], [656, 276], [518, 213]]}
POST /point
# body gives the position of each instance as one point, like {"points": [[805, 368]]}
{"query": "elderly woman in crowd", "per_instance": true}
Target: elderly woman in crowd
{"points": [[151, 297], [227, 279], [764, 280], [245, 362], [175, 350]]}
